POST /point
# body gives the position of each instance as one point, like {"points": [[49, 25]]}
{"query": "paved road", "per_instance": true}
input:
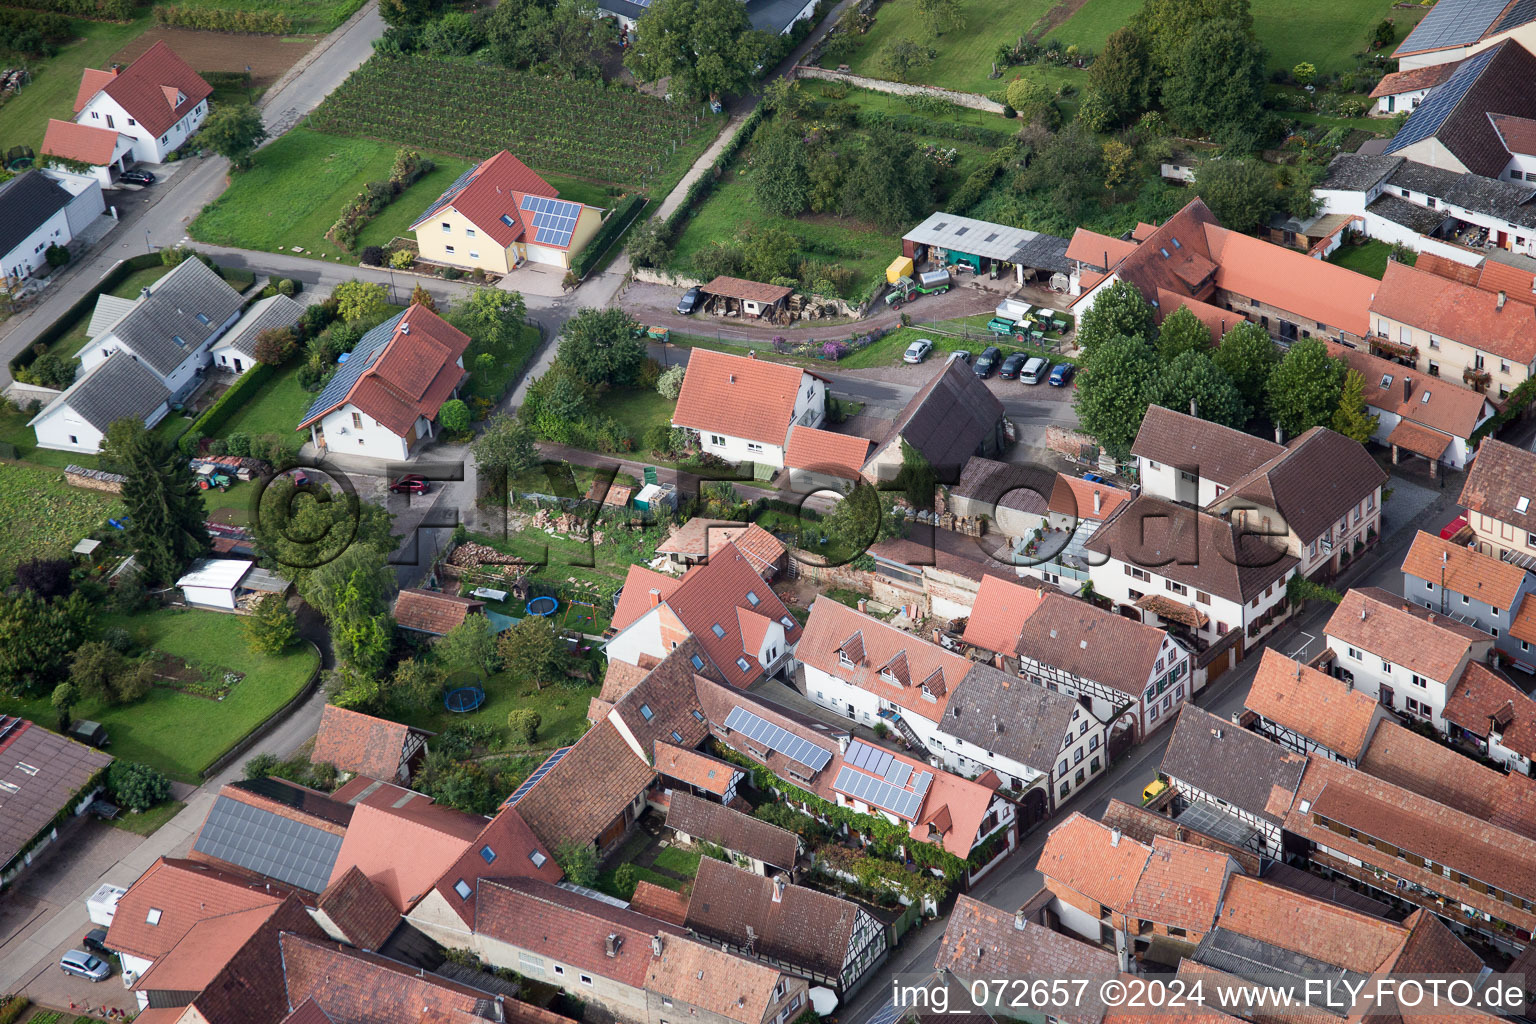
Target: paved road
{"points": [[1019, 880]]}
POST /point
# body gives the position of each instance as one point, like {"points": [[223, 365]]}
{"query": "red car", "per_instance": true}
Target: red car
{"points": [[411, 484]]}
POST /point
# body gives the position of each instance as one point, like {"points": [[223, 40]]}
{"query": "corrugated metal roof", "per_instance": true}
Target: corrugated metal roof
{"points": [[965, 234], [215, 573]]}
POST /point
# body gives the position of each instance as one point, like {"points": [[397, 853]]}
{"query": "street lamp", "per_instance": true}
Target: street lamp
{"points": [[147, 246]]}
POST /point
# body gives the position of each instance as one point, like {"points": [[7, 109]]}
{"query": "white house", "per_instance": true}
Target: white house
{"points": [[116, 388], [1192, 461], [236, 351], [743, 408], [384, 398], [1402, 654], [157, 101], [85, 151], [37, 211]]}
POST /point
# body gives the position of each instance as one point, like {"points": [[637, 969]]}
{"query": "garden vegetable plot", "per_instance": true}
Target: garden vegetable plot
{"points": [[604, 133]]}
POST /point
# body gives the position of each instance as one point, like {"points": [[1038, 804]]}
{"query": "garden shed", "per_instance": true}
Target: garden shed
{"points": [[228, 584], [946, 239], [731, 296]]}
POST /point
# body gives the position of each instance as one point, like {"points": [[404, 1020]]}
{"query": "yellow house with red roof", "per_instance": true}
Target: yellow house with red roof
{"points": [[500, 213]]}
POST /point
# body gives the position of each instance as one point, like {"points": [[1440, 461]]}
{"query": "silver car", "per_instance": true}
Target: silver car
{"points": [[917, 351], [84, 965]]}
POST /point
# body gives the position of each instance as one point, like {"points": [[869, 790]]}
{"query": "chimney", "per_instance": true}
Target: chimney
{"points": [[1098, 498], [1194, 410], [1499, 306], [611, 944], [656, 944], [1407, 387], [1279, 435], [778, 888], [1019, 920], [405, 327], [751, 353], [863, 605], [1114, 837], [144, 292], [1431, 618], [655, 597]]}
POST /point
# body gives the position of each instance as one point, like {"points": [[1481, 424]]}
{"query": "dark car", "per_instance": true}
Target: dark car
{"points": [[95, 941], [987, 362], [1061, 374], [137, 177], [689, 303], [1012, 365], [410, 484], [92, 734]]}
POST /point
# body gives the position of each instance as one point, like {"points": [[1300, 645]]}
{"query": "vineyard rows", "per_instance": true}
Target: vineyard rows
{"points": [[473, 110]]}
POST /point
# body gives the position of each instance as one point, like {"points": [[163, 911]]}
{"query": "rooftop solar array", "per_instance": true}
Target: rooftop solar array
{"points": [[450, 194], [553, 219], [269, 844], [878, 762], [1520, 12], [538, 773], [784, 742], [1453, 23], [904, 803], [1439, 102]]}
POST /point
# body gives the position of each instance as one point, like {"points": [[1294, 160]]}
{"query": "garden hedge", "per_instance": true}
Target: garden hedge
{"points": [[217, 414], [83, 307], [93, 10], [622, 216], [215, 19], [706, 182]]}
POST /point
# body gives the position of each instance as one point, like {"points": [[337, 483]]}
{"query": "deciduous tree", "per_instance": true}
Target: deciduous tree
{"points": [[903, 58], [781, 181], [270, 628], [1181, 331], [1118, 311], [137, 787], [233, 131], [1303, 390], [299, 529], [940, 16], [352, 593], [453, 416], [417, 684], [37, 638], [529, 650], [1216, 87], [600, 346], [1241, 193], [1030, 97], [506, 446], [1247, 356], [360, 300], [1191, 382], [707, 47], [1122, 74], [1112, 391], [469, 645]]}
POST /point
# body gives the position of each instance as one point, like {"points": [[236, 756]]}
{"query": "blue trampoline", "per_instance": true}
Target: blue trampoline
{"points": [[464, 698], [543, 606]]}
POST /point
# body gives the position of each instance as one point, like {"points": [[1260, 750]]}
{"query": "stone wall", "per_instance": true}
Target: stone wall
{"points": [[960, 99]]}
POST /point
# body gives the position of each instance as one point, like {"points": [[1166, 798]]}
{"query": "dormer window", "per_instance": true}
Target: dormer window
{"points": [[844, 660]]}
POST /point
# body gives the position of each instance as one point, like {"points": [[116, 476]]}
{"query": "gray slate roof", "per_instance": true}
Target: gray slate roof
{"points": [[1009, 716], [948, 419], [26, 203], [109, 310], [1502, 199], [1410, 215], [1238, 766], [175, 308], [364, 353], [1355, 172], [117, 387], [273, 311]]}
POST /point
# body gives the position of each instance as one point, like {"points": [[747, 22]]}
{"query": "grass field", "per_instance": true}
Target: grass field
{"points": [[964, 55], [638, 409], [1369, 259], [276, 408], [148, 822], [24, 117], [298, 187], [176, 732], [307, 15], [562, 711], [45, 516]]}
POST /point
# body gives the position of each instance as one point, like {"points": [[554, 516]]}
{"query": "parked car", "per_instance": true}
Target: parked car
{"points": [[987, 361], [84, 965], [92, 734], [689, 303], [410, 484], [1012, 365], [1061, 374], [134, 176], [962, 354], [96, 940], [1093, 478], [917, 351], [1034, 371]]}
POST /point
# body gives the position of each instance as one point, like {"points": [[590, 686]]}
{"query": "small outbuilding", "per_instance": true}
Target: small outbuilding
{"points": [[947, 239], [731, 296], [228, 584]]}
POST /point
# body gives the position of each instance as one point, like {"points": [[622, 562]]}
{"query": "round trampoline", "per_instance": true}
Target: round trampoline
{"points": [[463, 698], [543, 606]]}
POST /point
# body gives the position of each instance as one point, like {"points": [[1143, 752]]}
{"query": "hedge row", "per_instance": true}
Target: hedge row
{"points": [[621, 217], [701, 188], [93, 10], [217, 414], [912, 124], [83, 307], [32, 31], [409, 167], [215, 19]]}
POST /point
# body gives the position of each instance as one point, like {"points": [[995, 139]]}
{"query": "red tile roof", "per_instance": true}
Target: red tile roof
{"points": [[1420, 440], [721, 984], [403, 842], [495, 190], [1463, 570], [1181, 885], [247, 990], [1004, 608], [208, 945], [565, 806], [79, 142], [1434, 263], [738, 396], [1412, 80], [954, 809], [761, 548], [890, 663], [514, 852], [178, 894], [1096, 250], [1500, 477], [1517, 133], [412, 377], [1085, 856], [693, 537], [429, 611], [1482, 701], [1524, 625], [1216, 319], [1431, 769], [355, 742], [1451, 409], [147, 89], [1458, 312], [1092, 643], [1326, 931], [1216, 452], [749, 291], [1314, 704], [359, 909], [827, 453], [1083, 499], [711, 595], [694, 767], [733, 830], [1415, 638], [635, 598], [1516, 282], [666, 905]]}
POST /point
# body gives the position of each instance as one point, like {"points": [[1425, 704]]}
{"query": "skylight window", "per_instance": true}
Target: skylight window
{"points": [[1523, 505], [698, 716], [743, 664], [1164, 252], [1176, 244], [646, 712], [179, 340], [537, 858], [506, 219], [462, 888], [752, 598], [487, 854], [718, 630], [787, 622], [676, 738], [1386, 380], [698, 663], [153, 917], [1425, 399], [202, 318]]}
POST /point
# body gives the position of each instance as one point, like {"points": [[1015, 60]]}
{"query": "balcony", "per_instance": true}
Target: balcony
{"points": [[1381, 345], [1476, 377]]}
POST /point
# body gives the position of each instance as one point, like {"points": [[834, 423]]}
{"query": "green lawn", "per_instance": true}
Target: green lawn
{"points": [[562, 711], [148, 822], [963, 58], [638, 409], [46, 517], [298, 187], [509, 364], [176, 732], [679, 861], [51, 93], [308, 15], [1369, 259], [276, 408], [74, 339]]}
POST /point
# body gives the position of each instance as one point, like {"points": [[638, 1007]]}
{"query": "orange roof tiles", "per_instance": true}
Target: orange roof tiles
{"points": [[693, 537], [495, 191], [695, 768], [1462, 570], [666, 905], [355, 742], [825, 452], [1404, 758], [1412, 80], [1326, 931], [1292, 281], [359, 910], [1216, 320], [514, 852], [1515, 282], [1420, 440], [762, 549], [1418, 639], [92, 81], [1434, 263], [722, 984], [1482, 701], [148, 88], [1502, 484], [177, 894], [1435, 403], [704, 600], [1318, 706], [79, 142], [890, 663], [738, 396], [999, 613], [954, 809], [1085, 856], [564, 806], [429, 611], [208, 945], [1096, 250], [1524, 625], [1517, 133], [635, 598], [1180, 885], [1458, 312], [1083, 499], [403, 843], [749, 291]]}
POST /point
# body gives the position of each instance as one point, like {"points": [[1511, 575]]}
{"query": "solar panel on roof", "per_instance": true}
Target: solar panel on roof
{"points": [[538, 773], [871, 759], [1518, 14], [901, 802], [1439, 102], [777, 739], [1453, 24], [554, 220], [449, 194], [269, 844]]}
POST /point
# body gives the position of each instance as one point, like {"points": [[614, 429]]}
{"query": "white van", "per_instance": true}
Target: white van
{"points": [[1034, 371]]}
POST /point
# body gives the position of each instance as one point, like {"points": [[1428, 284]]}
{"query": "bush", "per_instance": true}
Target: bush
{"points": [[119, 639], [213, 19], [670, 384], [622, 215], [56, 255], [624, 881], [287, 286], [217, 414], [375, 196], [49, 370], [276, 345], [137, 787], [523, 724], [13, 1008], [453, 416], [372, 256], [262, 765], [402, 259]]}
